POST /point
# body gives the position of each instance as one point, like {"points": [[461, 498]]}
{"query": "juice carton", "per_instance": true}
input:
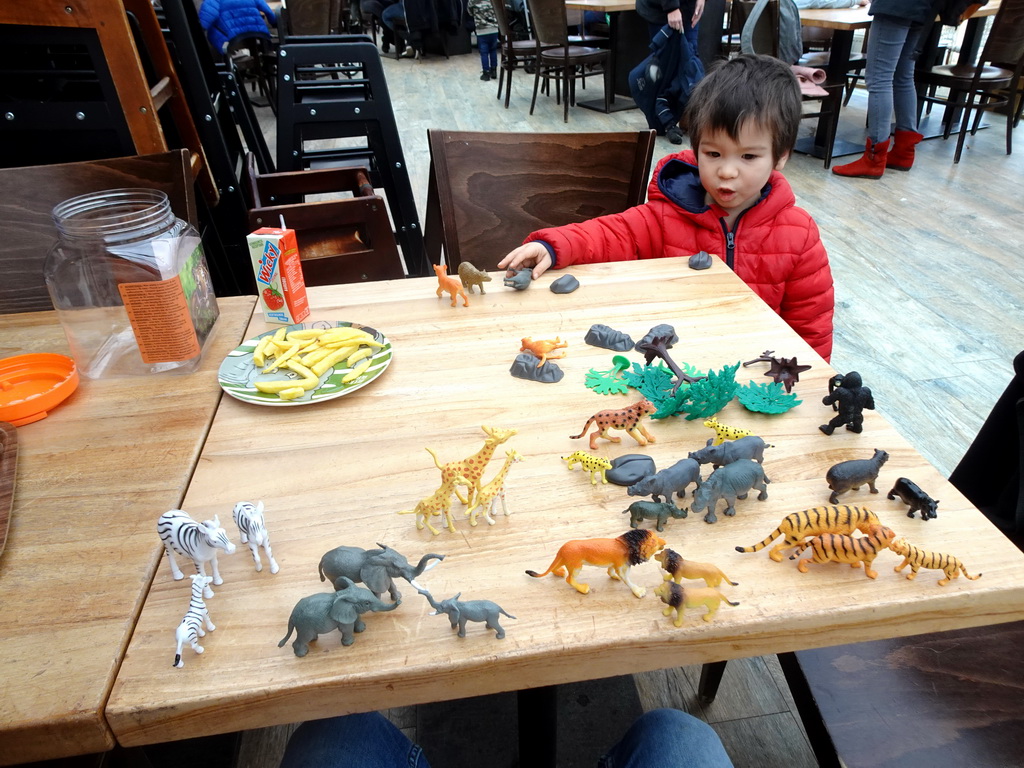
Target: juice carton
{"points": [[275, 260]]}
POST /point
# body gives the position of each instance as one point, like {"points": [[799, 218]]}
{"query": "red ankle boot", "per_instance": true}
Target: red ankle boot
{"points": [[902, 156], [871, 165]]}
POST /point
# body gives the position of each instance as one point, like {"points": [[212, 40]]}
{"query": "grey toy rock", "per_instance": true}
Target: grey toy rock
{"points": [[749, 447], [653, 510], [525, 367], [851, 475], [700, 260], [460, 612], [608, 338], [376, 568], [672, 480], [565, 284], [520, 280], [630, 469], [731, 482], [327, 611]]}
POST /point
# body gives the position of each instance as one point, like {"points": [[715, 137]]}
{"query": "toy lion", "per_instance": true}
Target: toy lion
{"points": [[617, 555]]}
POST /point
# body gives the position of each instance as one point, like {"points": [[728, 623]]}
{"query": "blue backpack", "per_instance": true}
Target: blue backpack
{"points": [[662, 83]]}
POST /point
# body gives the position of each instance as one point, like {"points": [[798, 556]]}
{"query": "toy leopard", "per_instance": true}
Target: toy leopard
{"points": [[627, 419], [593, 464]]}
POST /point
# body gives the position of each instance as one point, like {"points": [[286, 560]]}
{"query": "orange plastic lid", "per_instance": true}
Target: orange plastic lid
{"points": [[32, 385]]}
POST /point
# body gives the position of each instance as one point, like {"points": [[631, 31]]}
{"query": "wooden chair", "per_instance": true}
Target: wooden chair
{"points": [[309, 17], [344, 240], [989, 84], [27, 221], [513, 52], [764, 36], [488, 191], [560, 60]]}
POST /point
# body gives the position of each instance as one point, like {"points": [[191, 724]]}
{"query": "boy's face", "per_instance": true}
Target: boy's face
{"points": [[734, 172]]}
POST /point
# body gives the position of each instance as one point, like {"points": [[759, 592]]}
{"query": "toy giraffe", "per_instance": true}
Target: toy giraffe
{"points": [[439, 503], [473, 467], [487, 498], [451, 285]]}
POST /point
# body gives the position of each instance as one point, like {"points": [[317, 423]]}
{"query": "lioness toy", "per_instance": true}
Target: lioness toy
{"points": [[617, 555]]}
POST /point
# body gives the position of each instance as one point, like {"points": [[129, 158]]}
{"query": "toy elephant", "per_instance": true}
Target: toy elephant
{"points": [[327, 611], [731, 482], [376, 568], [471, 610]]}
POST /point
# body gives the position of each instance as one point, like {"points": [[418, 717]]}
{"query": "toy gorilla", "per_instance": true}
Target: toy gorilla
{"points": [[852, 398]]}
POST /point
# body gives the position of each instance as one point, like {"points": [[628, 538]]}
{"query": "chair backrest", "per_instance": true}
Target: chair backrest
{"points": [[27, 222], [488, 191], [501, 15], [344, 240], [550, 21], [1005, 43], [311, 17]]}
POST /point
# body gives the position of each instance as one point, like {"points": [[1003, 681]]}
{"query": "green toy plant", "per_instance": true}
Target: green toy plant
{"points": [[710, 395], [767, 397], [609, 382]]}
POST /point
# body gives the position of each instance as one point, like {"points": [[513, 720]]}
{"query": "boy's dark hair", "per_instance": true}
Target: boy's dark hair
{"points": [[748, 87]]}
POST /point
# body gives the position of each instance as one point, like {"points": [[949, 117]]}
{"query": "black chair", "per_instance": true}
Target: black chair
{"points": [[991, 83]]}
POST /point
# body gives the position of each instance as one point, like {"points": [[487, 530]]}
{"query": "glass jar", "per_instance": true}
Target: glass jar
{"points": [[130, 284]]}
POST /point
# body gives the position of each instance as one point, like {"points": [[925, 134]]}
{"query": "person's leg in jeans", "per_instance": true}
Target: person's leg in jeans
{"points": [[904, 90], [668, 737], [488, 44], [355, 741], [886, 43]]}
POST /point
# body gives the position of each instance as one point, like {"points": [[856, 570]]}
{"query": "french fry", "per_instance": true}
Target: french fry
{"points": [[358, 355], [291, 394], [356, 372], [259, 354], [281, 359], [331, 360]]}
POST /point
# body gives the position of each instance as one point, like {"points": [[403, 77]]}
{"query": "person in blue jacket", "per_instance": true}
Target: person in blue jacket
{"points": [[226, 20]]}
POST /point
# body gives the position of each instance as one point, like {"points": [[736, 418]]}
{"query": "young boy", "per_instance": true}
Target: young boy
{"points": [[726, 197]]}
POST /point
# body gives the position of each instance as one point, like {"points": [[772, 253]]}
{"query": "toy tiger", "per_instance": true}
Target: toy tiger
{"points": [[617, 555], [676, 598], [917, 558], [678, 569], [814, 522], [627, 419], [836, 548]]}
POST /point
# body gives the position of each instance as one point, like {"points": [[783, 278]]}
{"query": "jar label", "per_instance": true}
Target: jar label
{"points": [[161, 320]]}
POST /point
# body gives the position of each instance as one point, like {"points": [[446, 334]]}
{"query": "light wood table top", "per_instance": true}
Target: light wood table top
{"points": [[601, 6], [850, 19], [92, 478], [336, 473]]}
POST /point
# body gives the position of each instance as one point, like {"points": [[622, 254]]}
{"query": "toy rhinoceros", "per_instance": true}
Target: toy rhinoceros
{"points": [[671, 480], [749, 447], [653, 510], [731, 482]]}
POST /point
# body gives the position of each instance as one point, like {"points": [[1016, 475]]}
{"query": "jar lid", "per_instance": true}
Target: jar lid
{"points": [[32, 385]]}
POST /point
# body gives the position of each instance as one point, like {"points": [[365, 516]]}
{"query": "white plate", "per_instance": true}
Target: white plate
{"points": [[237, 373]]}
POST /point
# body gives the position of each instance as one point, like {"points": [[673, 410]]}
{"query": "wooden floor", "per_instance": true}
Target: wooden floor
{"points": [[928, 309]]}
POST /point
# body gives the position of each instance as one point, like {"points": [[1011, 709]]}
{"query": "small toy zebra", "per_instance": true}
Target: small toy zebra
{"points": [[199, 541], [191, 627], [253, 531]]}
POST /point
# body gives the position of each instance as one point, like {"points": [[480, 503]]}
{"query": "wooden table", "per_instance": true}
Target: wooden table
{"points": [[336, 473], [92, 478]]}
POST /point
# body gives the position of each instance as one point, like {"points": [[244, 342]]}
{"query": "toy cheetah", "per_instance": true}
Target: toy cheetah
{"points": [[724, 432], [627, 419]]}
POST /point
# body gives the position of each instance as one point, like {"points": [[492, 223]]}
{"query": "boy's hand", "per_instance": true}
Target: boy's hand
{"points": [[530, 255]]}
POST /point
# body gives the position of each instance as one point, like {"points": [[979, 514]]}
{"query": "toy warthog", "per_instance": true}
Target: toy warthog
{"points": [[674, 479], [851, 475], [731, 482], [749, 447], [653, 510]]}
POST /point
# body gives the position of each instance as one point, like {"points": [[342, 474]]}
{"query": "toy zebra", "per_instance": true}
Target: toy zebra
{"points": [[199, 541], [191, 627], [253, 531]]}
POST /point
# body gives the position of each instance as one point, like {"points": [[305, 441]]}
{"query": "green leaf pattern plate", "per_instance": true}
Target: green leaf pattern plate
{"points": [[237, 373]]}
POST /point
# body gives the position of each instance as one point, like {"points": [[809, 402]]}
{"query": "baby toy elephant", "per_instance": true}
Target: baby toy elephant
{"points": [[327, 611], [471, 610], [653, 510], [851, 475], [518, 279]]}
